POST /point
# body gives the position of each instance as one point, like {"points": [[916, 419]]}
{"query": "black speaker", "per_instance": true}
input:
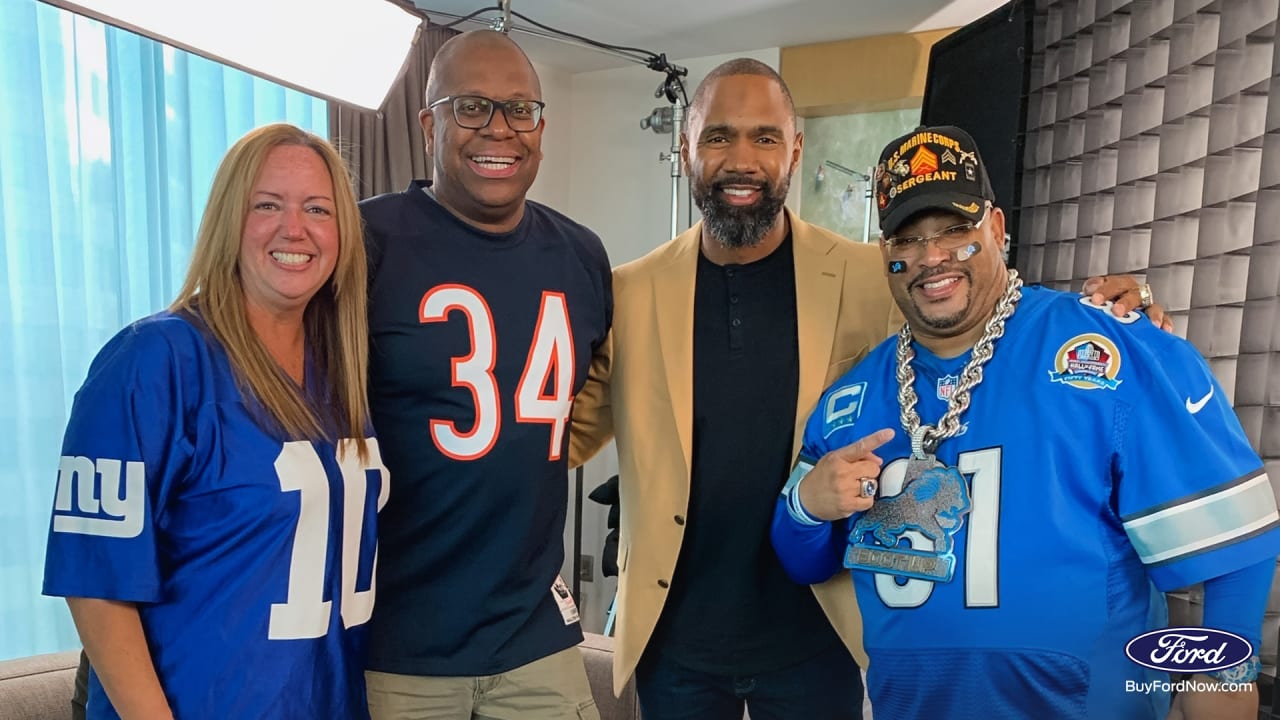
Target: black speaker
{"points": [[978, 80]]}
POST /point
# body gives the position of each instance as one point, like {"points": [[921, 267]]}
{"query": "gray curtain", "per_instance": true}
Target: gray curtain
{"points": [[384, 148], [1153, 147]]}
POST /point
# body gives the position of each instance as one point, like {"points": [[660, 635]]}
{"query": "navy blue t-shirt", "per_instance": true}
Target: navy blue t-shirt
{"points": [[478, 343]]}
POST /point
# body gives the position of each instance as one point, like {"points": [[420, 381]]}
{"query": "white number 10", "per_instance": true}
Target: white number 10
{"points": [[306, 613], [981, 572]]}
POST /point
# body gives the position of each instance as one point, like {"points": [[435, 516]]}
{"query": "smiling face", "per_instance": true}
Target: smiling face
{"points": [[944, 298], [482, 175], [289, 241], [740, 149]]}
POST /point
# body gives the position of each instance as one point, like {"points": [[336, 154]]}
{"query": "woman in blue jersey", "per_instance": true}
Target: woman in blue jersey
{"points": [[214, 525]]}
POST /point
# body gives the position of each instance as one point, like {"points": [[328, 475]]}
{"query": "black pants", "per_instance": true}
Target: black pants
{"points": [[827, 686], [81, 697]]}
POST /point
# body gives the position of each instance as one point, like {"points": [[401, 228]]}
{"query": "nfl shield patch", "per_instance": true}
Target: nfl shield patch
{"points": [[947, 386]]}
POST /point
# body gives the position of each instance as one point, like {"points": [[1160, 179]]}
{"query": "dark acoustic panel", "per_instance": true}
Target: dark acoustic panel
{"points": [[978, 79]]}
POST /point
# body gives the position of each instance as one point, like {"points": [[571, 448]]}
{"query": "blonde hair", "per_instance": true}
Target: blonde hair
{"points": [[335, 320]]}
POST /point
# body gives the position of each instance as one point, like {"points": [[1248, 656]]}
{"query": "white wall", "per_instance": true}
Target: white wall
{"points": [[552, 186]]}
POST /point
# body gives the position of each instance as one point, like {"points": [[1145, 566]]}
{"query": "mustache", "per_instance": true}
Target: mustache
{"points": [[929, 273], [744, 180]]}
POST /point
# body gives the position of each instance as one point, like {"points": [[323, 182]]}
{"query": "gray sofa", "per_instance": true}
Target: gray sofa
{"points": [[40, 687], [597, 650]]}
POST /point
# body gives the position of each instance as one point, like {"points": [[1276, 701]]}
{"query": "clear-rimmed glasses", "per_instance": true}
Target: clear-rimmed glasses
{"points": [[948, 239]]}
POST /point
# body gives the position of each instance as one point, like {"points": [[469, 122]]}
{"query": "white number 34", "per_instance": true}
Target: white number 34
{"points": [[550, 358]]}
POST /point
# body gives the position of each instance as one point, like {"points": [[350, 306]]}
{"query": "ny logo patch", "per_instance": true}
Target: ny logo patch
{"points": [[100, 508]]}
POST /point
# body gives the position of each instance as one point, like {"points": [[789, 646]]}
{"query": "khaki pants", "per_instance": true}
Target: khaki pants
{"points": [[553, 688]]}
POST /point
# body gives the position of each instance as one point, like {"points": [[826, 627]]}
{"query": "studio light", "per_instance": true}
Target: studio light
{"points": [[660, 121], [345, 50]]}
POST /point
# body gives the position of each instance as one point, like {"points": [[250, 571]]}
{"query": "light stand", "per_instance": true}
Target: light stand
{"points": [[670, 120], [866, 194], [502, 23]]}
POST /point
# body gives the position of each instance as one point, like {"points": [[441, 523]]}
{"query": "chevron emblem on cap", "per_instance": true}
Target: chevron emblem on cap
{"points": [[970, 208], [924, 161]]}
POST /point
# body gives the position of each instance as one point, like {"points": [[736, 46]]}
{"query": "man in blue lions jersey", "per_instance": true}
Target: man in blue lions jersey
{"points": [[1020, 528]]}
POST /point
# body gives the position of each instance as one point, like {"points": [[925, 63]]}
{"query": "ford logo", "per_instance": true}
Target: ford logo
{"points": [[1188, 650]]}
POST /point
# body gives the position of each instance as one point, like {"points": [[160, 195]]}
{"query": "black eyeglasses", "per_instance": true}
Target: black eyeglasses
{"points": [[474, 112]]}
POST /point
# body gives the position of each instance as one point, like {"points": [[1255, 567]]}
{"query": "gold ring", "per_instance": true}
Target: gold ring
{"points": [[1144, 295]]}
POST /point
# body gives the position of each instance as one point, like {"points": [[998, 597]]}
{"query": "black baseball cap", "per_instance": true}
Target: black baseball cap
{"points": [[931, 168]]}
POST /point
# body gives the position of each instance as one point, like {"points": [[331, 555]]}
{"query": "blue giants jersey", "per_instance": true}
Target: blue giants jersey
{"points": [[250, 559], [478, 343], [1098, 464]]}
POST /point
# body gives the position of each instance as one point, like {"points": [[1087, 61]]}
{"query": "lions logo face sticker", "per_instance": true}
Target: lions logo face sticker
{"points": [[1089, 362]]}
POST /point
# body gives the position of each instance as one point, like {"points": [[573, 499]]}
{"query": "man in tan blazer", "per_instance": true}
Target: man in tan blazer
{"points": [[741, 129], [723, 340]]}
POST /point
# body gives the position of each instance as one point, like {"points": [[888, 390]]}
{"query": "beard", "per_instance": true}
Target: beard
{"points": [[738, 226], [941, 322]]}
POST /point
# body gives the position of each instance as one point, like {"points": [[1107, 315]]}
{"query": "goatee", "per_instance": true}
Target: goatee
{"points": [[942, 322]]}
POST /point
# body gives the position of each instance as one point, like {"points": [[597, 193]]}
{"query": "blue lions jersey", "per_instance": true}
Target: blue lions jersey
{"points": [[250, 558], [1099, 464]]}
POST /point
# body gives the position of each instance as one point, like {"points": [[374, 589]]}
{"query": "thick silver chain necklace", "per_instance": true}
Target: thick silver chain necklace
{"points": [[925, 438]]}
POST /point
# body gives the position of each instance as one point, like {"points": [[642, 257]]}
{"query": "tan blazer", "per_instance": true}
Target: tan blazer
{"points": [[642, 390]]}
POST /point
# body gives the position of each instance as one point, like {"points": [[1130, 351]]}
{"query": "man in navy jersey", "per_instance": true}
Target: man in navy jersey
{"points": [[484, 312], [1008, 529]]}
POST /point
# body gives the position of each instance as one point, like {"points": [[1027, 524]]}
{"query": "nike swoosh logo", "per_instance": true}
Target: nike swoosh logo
{"points": [[970, 208], [1198, 405]]}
